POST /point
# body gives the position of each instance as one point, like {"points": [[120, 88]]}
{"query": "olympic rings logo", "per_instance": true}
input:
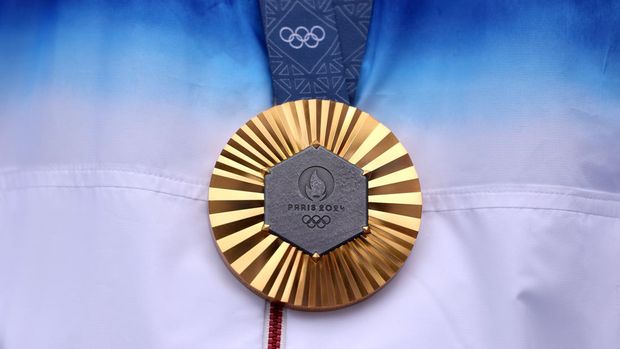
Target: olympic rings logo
{"points": [[316, 221], [302, 36]]}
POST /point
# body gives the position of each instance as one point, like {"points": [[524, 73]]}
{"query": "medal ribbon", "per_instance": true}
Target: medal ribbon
{"points": [[315, 47], [315, 50]]}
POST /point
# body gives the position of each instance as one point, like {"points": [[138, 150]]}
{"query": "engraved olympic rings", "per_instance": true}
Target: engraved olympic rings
{"points": [[316, 221], [302, 36]]}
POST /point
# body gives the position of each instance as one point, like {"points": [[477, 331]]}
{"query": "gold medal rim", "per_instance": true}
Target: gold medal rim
{"points": [[275, 269]]}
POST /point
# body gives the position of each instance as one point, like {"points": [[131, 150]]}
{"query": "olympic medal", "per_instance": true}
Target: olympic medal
{"points": [[314, 204]]}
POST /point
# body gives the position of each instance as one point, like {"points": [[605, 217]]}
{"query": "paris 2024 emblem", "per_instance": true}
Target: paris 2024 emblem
{"points": [[315, 200]]}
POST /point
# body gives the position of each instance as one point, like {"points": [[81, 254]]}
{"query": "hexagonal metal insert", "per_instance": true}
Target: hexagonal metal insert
{"points": [[316, 200]]}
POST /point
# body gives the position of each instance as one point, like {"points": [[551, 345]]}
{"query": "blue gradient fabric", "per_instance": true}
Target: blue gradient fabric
{"points": [[112, 115]]}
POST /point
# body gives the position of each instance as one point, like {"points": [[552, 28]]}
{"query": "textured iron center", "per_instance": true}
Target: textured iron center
{"points": [[316, 200]]}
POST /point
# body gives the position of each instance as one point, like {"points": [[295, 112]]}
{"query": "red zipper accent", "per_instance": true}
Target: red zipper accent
{"points": [[275, 326]]}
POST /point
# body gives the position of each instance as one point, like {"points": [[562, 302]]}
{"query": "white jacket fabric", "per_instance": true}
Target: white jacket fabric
{"points": [[112, 116]]}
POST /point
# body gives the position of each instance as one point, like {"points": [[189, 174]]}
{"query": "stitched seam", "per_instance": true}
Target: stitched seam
{"points": [[78, 170], [199, 191], [431, 193], [525, 191], [104, 187], [205, 200], [521, 208]]}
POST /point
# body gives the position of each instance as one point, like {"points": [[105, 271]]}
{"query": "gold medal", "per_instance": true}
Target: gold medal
{"points": [[314, 204]]}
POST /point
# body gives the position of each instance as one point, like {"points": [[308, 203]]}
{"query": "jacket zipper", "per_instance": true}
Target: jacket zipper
{"points": [[274, 338]]}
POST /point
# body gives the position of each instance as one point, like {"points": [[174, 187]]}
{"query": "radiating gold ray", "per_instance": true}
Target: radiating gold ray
{"points": [[341, 293], [232, 157], [384, 145], [314, 124], [359, 123], [279, 270], [224, 167], [278, 283], [405, 174], [398, 235], [262, 125], [246, 259], [290, 282], [229, 183], [234, 164], [402, 209], [242, 145], [380, 224], [356, 266], [329, 131], [292, 124], [327, 283], [261, 142], [402, 220], [336, 125], [276, 126], [234, 239], [233, 227], [396, 165], [351, 126], [246, 156], [363, 129], [402, 198], [394, 255], [261, 279], [270, 152], [388, 156], [386, 267], [225, 206], [231, 175], [398, 250], [312, 287], [324, 121], [349, 282], [377, 134], [374, 277], [304, 123], [254, 145], [302, 280], [222, 218]]}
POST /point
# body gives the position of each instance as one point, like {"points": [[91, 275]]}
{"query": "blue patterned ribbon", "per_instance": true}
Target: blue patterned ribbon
{"points": [[315, 47]]}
